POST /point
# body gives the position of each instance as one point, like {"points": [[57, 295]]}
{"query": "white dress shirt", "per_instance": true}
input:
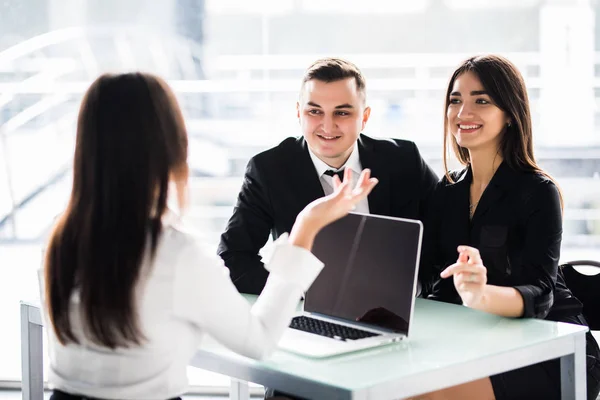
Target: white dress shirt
{"points": [[182, 295], [353, 162]]}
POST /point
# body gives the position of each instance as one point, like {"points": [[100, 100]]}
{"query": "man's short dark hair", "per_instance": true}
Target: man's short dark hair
{"points": [[333, 70]]}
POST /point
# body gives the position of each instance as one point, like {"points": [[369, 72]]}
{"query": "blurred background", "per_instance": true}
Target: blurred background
{"points": [[236, 67]]}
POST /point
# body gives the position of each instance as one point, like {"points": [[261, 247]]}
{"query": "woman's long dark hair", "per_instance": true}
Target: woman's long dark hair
{"points": [[131, 141], [505, 85]]}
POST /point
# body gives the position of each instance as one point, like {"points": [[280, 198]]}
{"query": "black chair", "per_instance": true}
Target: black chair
{"points": [[585, 288]]}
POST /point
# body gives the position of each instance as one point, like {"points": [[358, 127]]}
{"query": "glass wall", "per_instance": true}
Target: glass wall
{"points": [[236, 67]]}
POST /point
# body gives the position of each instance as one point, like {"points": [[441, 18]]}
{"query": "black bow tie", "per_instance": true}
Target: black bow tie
{"points": [[339, 173]]}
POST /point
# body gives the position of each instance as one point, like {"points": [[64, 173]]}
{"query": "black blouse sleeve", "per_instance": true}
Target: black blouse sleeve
{"points": [[543, 232], [432, 262]]}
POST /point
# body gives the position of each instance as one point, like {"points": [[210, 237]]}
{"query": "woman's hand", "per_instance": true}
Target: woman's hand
{"points": [[325, 210], [470, 276]]}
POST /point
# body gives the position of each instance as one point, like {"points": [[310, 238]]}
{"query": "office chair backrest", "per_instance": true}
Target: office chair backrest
{"points": [[585, 288]]}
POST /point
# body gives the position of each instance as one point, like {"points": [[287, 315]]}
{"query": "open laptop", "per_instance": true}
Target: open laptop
{"points": [[364, 296]]}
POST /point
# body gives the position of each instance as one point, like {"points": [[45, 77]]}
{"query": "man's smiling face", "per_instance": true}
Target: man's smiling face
{"points": [[332, 115]]}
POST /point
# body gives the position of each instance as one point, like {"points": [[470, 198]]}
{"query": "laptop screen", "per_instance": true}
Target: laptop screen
{"points": [[370, 271]]}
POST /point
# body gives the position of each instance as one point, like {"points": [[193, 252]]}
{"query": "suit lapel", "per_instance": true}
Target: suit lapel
{"points": [[379, 199], [458, 207], [304, 176], [494, 191]]}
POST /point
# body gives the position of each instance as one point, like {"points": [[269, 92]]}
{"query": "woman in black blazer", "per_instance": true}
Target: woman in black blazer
{"points": [[493, 238]]}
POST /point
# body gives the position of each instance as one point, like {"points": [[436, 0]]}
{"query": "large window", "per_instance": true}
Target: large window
{"points": [[236, 67]]}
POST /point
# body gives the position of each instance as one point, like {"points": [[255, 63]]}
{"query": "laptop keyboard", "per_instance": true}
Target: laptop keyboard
{"points": [[328, 329]]}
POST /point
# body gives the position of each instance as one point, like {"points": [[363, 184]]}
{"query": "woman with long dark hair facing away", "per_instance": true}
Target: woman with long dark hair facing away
{"points": [[493, 239], [128, 292]]}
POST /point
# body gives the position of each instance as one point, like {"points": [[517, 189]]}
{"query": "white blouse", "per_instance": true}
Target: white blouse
{"points": [[183, 295]]}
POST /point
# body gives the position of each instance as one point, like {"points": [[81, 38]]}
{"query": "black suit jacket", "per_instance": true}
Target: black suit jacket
{"points": [[517, 227], [281, 181]]}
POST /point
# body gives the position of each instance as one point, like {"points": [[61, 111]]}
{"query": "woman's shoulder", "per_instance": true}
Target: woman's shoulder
{"points": [[182, 239], [451, 177], [532, 182], [446, 186], [182, 256], [180, 243], [177, 230], [534, 189], [537, 178], [179, 236]]}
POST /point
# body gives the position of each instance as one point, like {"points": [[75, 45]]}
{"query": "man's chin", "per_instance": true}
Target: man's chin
{"points": [[332, 159], [330, 154]]}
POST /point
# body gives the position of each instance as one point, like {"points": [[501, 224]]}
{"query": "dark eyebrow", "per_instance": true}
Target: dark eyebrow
{"points": [[473, 93], [346, 105]]}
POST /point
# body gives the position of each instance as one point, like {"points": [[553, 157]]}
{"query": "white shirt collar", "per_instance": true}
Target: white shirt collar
{"points": [[353, 162]]}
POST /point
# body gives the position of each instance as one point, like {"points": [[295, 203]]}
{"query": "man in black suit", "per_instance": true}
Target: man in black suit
{"points": [[281, 181]]}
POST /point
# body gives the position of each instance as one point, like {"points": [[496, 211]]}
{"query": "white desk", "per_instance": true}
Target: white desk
{"points": [[449, 345]]}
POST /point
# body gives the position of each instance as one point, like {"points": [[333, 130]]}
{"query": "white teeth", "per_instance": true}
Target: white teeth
{"points": [[328, 137], [469, 126]]}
